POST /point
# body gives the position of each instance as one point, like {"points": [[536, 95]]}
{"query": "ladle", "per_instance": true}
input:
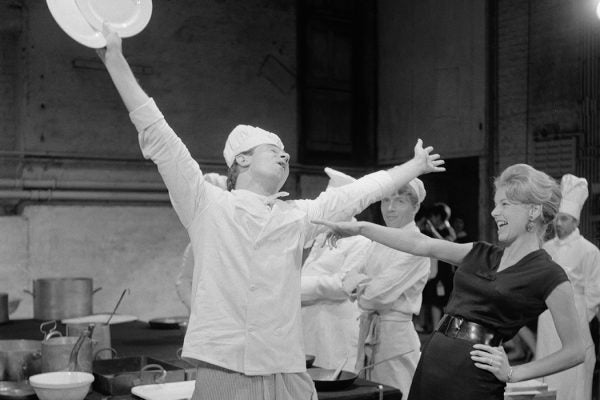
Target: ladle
{"points": [[382, 361], [117, 306]]}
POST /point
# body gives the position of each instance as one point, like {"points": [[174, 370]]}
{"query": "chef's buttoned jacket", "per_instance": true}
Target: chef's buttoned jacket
{"points": [[247, 248]]}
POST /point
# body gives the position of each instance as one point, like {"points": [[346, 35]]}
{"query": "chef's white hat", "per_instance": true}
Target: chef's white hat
{"points": [[337, 178], [417, 185], [244, 137], [574, 193]]}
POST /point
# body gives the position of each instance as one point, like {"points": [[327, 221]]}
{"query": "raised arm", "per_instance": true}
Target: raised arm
{"points": [[410, 242], [131, 92]]}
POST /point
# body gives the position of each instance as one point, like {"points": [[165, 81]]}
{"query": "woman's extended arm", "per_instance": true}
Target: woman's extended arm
{"points": [[409, 242]]}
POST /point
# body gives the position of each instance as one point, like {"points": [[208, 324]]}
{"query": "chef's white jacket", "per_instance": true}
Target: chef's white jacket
{"points": [[247, 248]]}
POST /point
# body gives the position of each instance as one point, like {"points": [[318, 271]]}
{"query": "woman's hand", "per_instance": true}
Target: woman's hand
{"points": [[427, 162], [492, 359], [338, 230]]}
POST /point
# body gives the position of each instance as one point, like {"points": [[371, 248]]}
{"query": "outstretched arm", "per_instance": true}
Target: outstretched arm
{"points": [[131, 92], [423, 162], [410, 242]]}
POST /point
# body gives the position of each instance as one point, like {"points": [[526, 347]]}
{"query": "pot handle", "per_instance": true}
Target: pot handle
{"points": [[29, 292], [51, 334], [156, 368], [112, 350], [96, 290]]}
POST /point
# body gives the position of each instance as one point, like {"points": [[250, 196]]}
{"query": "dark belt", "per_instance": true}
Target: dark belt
{"points": [[460, 328]]}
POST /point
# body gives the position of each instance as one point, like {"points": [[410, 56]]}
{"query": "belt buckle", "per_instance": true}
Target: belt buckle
{"points": [[458, 324]]}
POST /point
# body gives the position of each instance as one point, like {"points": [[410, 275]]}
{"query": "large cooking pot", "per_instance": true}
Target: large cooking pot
{"points": [[19, 359], [60, 298]]}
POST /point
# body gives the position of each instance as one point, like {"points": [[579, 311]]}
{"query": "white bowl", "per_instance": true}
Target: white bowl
{"points": [[61, 385]]}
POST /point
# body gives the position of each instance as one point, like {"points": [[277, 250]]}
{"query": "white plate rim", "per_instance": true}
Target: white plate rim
{"points": [[164, 391], [69, 19], [134, 25]]}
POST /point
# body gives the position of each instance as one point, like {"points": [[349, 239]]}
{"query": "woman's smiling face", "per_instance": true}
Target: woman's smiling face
{"points": [[511, 217]]}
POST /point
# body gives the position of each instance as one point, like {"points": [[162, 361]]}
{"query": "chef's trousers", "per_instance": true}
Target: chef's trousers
{"points": [[216, 383]]}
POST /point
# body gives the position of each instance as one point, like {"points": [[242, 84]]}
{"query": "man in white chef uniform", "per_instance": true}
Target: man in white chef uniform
{"points": [[329, 317], [581, 261], [245, 328]]}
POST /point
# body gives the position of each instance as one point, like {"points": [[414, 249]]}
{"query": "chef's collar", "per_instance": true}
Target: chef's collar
{"points": [[569, 239], [268, 200]]}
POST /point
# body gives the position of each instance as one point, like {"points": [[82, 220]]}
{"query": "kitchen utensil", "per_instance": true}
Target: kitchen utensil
{"points": [[310, 360], [100, 319], [322, 379], [3, 308], [56, 352], [100, 338], [119, 375], [74, 356], [338, 370], [60, 298], [116, 306], [16, 391], [19, 359], [382, 361], [48, 328], [62, 385], [167, 322]]}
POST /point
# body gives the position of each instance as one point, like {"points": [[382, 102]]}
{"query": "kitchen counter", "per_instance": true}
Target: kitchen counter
{"points": [[137, 338]]}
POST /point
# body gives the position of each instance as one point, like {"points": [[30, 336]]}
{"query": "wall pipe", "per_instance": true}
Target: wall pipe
{"points": [[48, 195], [81, 185]]}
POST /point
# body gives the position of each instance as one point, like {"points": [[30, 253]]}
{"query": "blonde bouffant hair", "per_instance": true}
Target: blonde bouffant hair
{"points": [[527, 185]]}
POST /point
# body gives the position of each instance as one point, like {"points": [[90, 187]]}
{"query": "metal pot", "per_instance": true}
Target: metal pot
{"points": [[60, 298], [19, 359], [57, 351]]}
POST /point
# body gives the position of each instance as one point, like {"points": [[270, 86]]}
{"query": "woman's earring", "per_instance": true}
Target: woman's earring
{"points": [[530, 225]]}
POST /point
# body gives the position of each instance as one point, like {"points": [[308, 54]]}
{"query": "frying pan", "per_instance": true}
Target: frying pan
{"points": [[322, 379], [167, 322]]}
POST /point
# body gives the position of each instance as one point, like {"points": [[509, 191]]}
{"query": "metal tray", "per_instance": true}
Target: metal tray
{"points": [[119, 375]]}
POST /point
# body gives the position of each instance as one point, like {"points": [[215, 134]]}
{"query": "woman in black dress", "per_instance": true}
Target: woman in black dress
{"points": [[497, 290]]}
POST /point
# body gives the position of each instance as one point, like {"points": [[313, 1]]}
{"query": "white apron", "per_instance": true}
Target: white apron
{"points": [[574, 383], [388, 337]]}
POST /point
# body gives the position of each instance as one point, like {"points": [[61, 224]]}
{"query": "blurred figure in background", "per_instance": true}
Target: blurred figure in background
{"points": [[581, 261], [329, 318]]}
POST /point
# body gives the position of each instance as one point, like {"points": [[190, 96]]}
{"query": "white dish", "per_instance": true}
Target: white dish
{"points": [[126, 17], [165, 391], [529, 385], [83, 19], [100, 319], [69, 18]]}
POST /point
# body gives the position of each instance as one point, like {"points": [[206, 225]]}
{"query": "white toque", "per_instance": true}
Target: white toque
{"points": [[417, 185], [244, 137], [574, 193]]}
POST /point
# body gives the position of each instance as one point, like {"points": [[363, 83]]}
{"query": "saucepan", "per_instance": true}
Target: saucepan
{"points": [[323, 382]]}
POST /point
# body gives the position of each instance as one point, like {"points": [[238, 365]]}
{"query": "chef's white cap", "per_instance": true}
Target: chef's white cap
{"points": [[244, 137], [574, 193], [417, 185], [337, 178]]}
